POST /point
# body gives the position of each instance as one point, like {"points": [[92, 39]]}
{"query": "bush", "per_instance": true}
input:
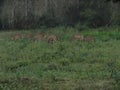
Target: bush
{"points": [[81, 27], [114, 69]]}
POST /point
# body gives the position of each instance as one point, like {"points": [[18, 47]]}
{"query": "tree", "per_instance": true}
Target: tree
{"points": [[114, 1]]}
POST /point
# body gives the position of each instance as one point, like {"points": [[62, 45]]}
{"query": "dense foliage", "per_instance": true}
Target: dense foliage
{"points": [[36, 13]]}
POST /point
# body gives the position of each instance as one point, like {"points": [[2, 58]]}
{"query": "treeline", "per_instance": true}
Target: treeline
{"points": [[49, 13]]}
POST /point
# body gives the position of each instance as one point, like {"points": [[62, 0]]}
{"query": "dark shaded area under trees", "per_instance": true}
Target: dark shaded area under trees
{"points": [[19, 14]]}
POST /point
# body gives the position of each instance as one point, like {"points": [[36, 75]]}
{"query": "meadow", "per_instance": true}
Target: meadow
{"points": [[27, 64]]}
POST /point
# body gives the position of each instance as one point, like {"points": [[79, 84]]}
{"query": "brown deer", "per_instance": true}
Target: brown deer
{"points": [[88, 39], [17, 37], [40, 36], [52, 38], [30, 36], [77, 37]]}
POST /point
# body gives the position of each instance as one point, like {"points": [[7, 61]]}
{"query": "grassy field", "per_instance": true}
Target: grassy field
{"points": [[36, 65]]}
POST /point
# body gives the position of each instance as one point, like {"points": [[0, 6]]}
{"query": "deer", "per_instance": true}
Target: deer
{"points": [[30, 36], [52, 38], [77, 37], [40, 36], [17, 37], [88, 39]]}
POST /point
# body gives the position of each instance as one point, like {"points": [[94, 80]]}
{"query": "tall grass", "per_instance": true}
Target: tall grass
{"points": [[64, 65]]}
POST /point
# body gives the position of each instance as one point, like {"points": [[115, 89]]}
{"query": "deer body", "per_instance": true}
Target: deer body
{"points": [[40, 36], [17, 37], [88, 39], [30, 36], [77, 37], [52, 39]]}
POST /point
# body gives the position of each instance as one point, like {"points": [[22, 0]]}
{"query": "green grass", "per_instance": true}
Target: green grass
{"points": [[64, 65]]}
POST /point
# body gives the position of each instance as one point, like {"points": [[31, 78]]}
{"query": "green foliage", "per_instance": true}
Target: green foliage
{"points": [[92, 13], [114, 69], [81, 27]]}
